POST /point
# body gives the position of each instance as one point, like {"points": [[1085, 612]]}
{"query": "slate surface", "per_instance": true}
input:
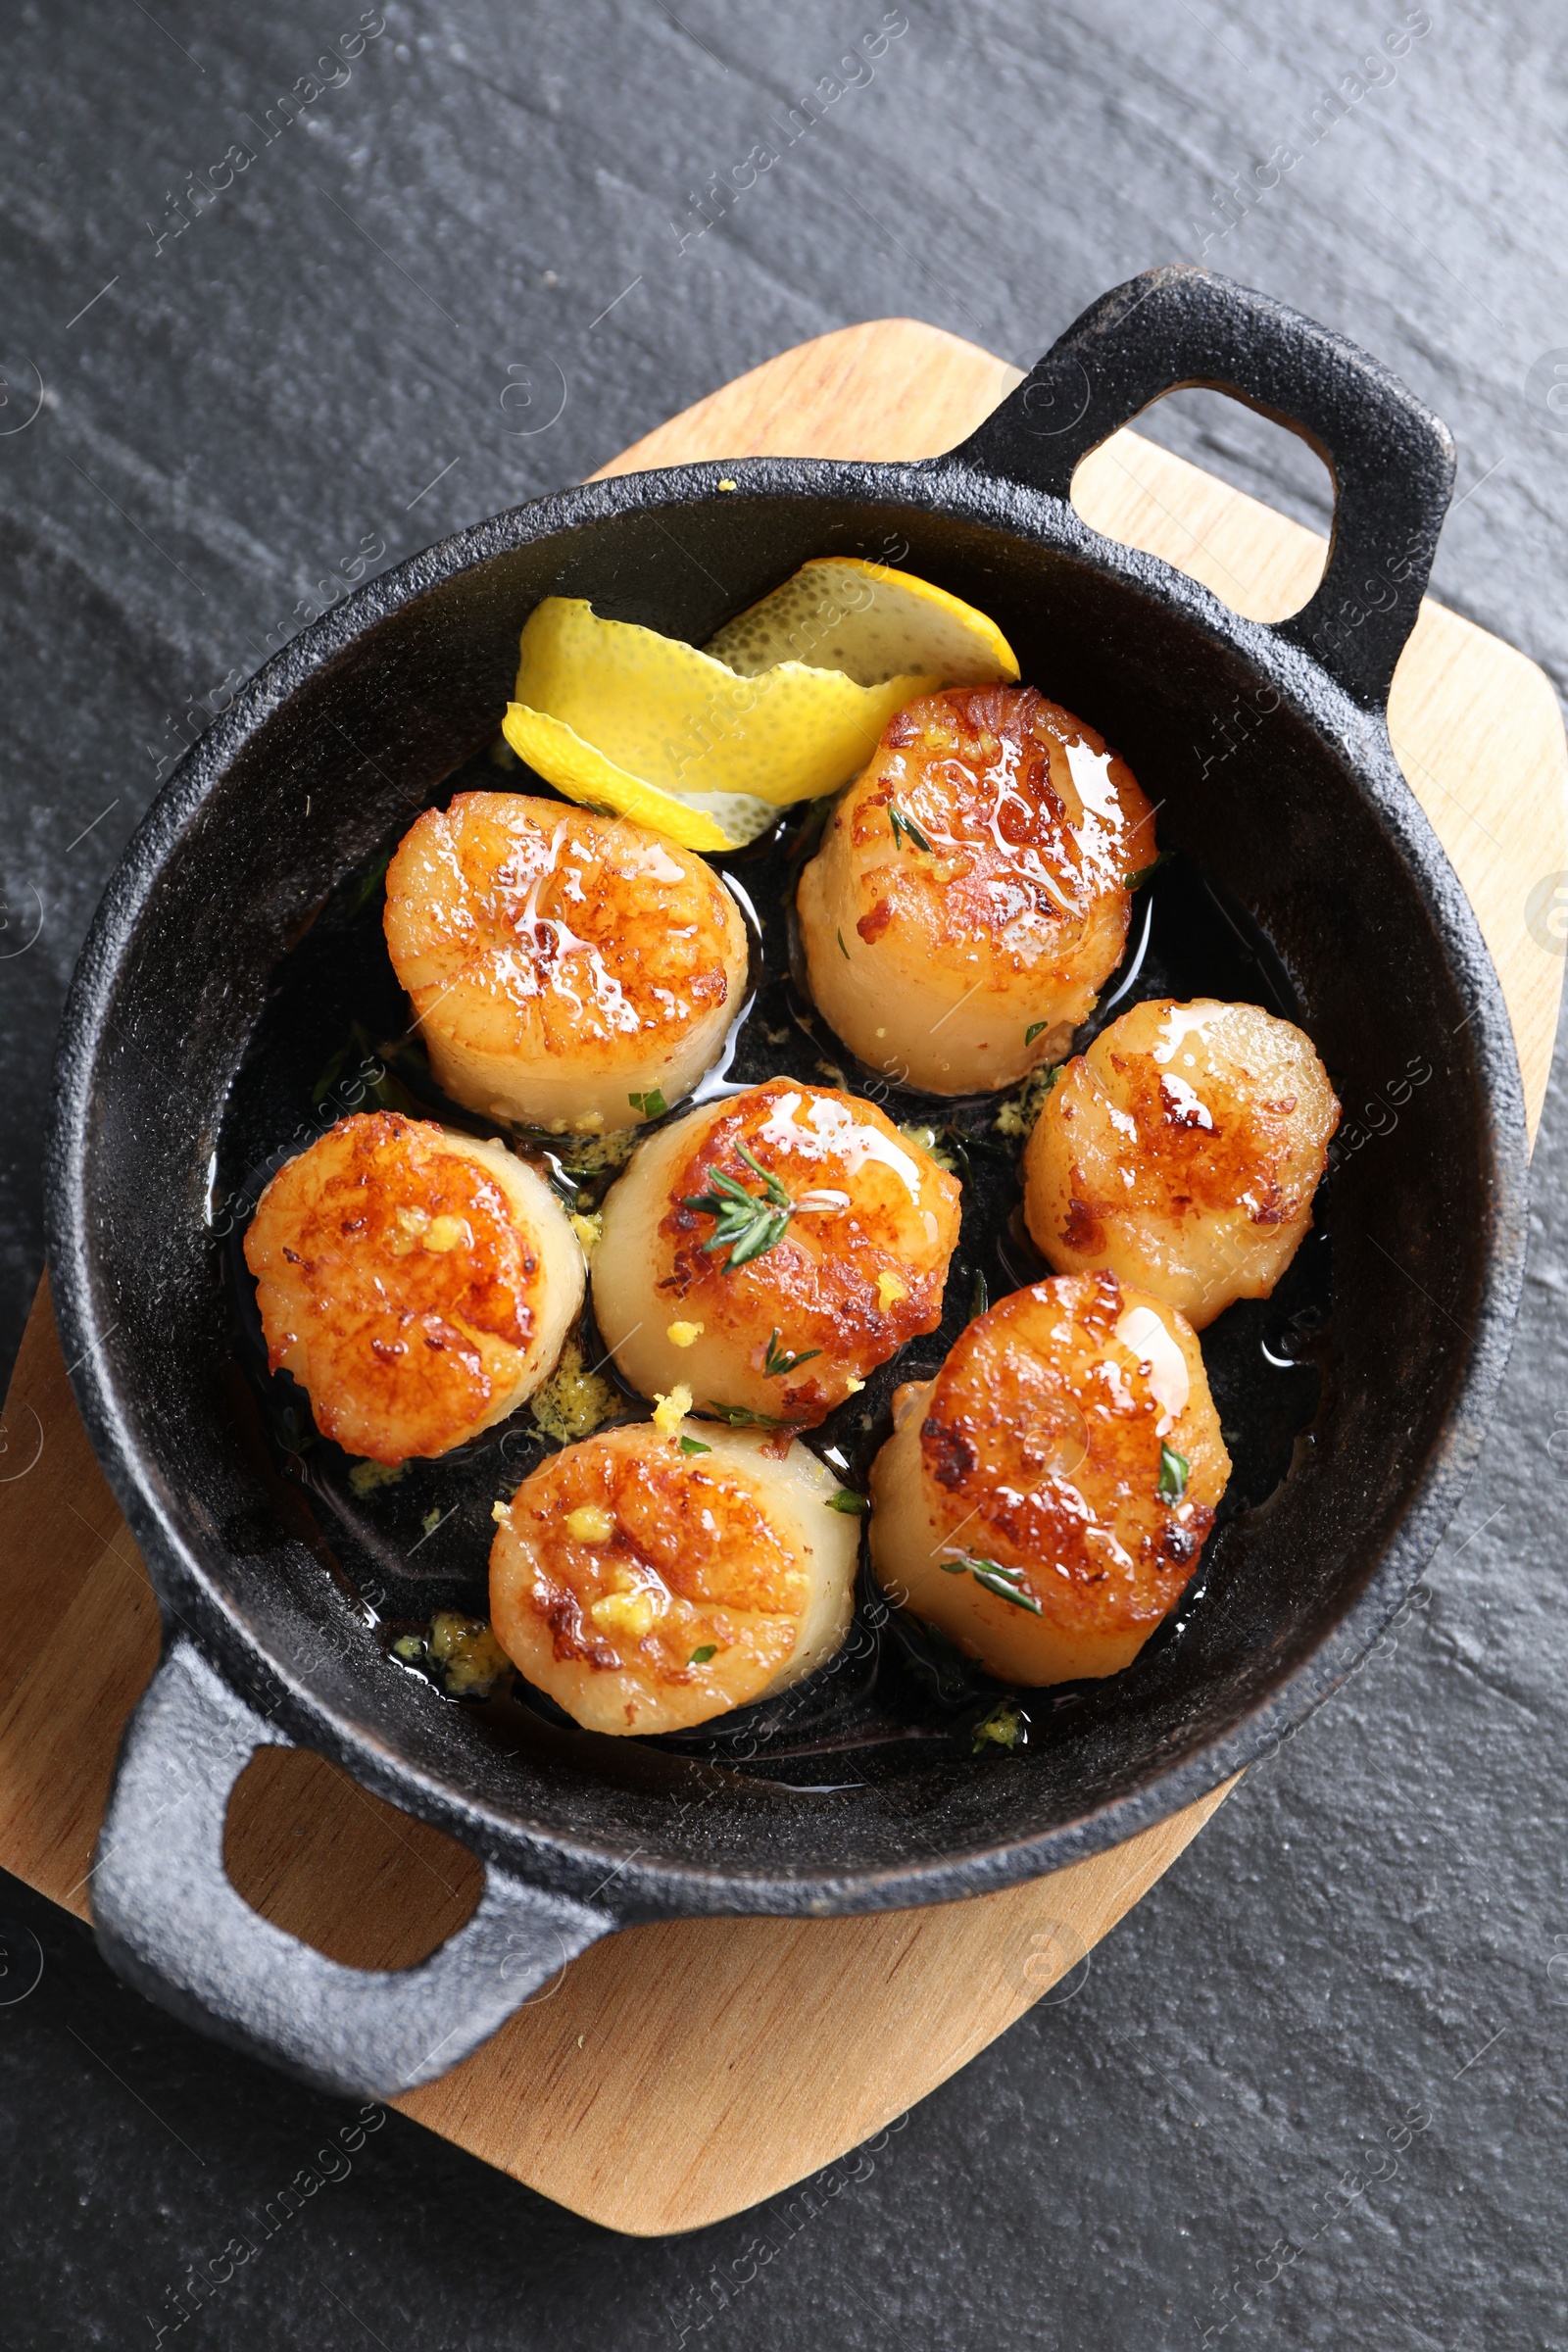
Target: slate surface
{"points": [[451, 283]]}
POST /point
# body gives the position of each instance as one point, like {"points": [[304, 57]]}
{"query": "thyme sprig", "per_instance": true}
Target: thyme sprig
{"points": [[904, 827], [745, 1223], [749, 1224], [741, 1416], [1002, 1582], [778, 1360]]}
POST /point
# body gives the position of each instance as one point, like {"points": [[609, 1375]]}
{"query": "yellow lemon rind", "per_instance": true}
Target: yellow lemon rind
{"points": [[869, 623], [687, 726], [560, 754]]}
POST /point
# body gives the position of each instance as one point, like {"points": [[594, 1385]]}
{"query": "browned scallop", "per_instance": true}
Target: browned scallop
{"points": [[652, 1577], [767, 1252], [1182, 1151], [418, 1284], [569, 970], [972, 892], [1045, 1499]]}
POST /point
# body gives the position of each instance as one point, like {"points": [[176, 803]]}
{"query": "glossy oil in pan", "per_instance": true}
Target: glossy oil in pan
{"points": [[406, 1544], [175, 1080]]}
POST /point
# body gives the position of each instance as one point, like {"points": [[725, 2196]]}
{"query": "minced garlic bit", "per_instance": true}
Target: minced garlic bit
{"points": [[853, 1386], [589, 1124], [586, 1157], [726, 483], [630, 1613], [410, 1226], [589, 1523], [1019, 1112], [470, 1657], [500, 1512], [365, 1477], [889, 1288], [589, 1230], [684, 1335], [929, 1141], [448, 1233], [671, 1411], [573, 1402]]}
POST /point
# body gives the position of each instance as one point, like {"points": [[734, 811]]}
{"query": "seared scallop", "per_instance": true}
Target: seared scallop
{"points": [[418, 1284], [768, 1251], [569, 970], [651, 1578], [1045, 1499], [971, 891], [1182, 1151]]}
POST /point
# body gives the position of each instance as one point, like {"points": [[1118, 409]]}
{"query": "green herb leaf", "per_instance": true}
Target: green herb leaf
{"points": [[1137, 881], [694, 1445], [1173, 1472], [1033, 1031], [1002, 1582], [843, 950], [979, 1297], [992, 1580], [652, 1104], [847, 1502], [904, 827], [778, 1360], [775, 1190], [1002, 1728], [744, 1223], [740, 1416], [700, 1657]]}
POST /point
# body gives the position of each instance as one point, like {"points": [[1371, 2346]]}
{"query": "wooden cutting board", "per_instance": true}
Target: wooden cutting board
{"points": [[677, 2074]]}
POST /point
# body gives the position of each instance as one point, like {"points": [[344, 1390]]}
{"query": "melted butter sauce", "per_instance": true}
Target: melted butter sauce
{"points": [[405, 1545], [832, 1132]]}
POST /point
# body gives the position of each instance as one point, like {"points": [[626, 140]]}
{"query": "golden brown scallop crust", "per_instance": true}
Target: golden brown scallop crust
{"points": [[690, 1532], [1041, 1448], [539, 933], [855, 1279], [394, 1282], [1003, 1421], [1020, 854], [652, 1577], [1182, 1150], [1001, 888]]}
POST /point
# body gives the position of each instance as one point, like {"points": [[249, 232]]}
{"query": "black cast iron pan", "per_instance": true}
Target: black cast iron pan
{"points": [[1298, 827]]}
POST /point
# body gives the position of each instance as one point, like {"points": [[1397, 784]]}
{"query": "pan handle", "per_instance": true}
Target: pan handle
{"points": [[1392, 460], [171, 1923]]}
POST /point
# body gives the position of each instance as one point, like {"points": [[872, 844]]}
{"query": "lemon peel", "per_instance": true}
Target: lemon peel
{"points": [[674, 718], [871, 622], [555, 752], [786, 703]]}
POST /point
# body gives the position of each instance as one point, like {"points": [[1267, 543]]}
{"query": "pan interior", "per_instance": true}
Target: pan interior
{"points": [[255, 985]]}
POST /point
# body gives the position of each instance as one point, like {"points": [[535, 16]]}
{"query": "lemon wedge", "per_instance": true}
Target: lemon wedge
{"points": [[869, 621], [787, 703]]}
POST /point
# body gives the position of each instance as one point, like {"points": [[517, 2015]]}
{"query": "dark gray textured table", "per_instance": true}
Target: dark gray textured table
{"points": [[468, 270]]}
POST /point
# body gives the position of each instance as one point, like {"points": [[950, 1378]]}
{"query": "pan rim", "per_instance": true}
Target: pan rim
{"points": [[188, 1595]]}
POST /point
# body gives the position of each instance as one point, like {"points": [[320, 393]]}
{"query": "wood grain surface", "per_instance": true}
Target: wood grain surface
{"points": [[659, 2084]]}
